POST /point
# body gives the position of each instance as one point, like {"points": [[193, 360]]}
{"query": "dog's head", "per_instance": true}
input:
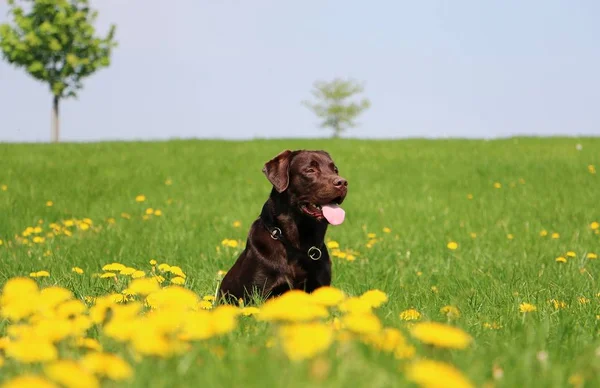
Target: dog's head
{"points": [[312, 182]]}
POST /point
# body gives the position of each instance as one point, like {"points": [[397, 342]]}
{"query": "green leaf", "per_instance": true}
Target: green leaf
{"points": [[72, 60], [57, 88], [35, 67], [55, 45]]}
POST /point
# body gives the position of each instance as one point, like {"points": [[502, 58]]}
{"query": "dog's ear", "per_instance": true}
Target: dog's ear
{"points": [[277, 170]]}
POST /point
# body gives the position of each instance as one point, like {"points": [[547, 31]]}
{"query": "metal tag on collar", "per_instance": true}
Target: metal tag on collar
{"points": [[276, 233], [314, 253]]}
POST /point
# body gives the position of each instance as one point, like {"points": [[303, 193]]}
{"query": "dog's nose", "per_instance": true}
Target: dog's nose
{"points": [[340, 182]]}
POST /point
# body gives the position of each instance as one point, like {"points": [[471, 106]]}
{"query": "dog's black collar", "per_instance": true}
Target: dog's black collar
{"points": [[314, 253]]}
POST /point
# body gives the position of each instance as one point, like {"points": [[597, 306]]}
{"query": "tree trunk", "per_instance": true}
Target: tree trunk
{"points": [[55, 121], [337, 129]]}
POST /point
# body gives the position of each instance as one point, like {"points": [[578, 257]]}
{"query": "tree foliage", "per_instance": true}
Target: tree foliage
{"points": [[333, 105], [55, 42]]}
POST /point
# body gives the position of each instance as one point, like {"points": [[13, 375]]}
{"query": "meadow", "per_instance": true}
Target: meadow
{"points": [[495, 240]]}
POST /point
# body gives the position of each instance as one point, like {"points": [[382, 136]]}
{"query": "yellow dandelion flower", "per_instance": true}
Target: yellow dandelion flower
{"points": [[452, 245], [88, 221], [127, 216], [590, 255], [371, 235], [404, 351], [49, 203], [168, 182], [374, 298], [387, 230], [1, 242], [127, 271], [583, 300], [39, 274], [38, 239], [451, 312], [108, 275], [237, 224], [497, 185], [361, 323], [333, 244], [144, 286], [302, 341], [492, 326], [29, 381], [561, 259], [159, 279], [88, 343], [164, 267], [175, 298], [555, 235], [527, 308], [230, 243], [77, 270], [140, 198], [543, 233], [205, 305], [441, 335], [178, 280], [149, 211], [436, 374], [410, 315], [558, 304], [327, 296], [153, 262], [592, 169], [434, 289], [595, 225], [469, 196], [111, 220], [355, 305], [70, 374], [84, 226], [107, 365], [576, 380], [177, 271], [388, 339], [158, 212], [4, 187], [294, 305], [31, 350], [138, 274], [473, 235], [571, 254], [510, 236]]}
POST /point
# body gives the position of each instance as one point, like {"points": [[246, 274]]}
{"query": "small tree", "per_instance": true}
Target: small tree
{"points": [[332, 105], [54, 41]]}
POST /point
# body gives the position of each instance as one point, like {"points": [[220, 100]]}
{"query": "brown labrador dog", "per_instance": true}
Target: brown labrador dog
{"points": [[285, 248]]}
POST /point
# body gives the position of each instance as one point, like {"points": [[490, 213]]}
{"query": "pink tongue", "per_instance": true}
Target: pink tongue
{"points": [[333, 213]]}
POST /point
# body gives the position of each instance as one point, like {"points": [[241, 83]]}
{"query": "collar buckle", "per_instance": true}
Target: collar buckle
{"points": [[314, 253], [276, 233]]}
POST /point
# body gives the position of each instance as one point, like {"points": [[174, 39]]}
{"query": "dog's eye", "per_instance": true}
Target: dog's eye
{"points": [[335, 169], [309, 170]]}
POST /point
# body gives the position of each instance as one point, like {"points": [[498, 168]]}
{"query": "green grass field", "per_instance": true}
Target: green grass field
{"points": [[428, 193]]}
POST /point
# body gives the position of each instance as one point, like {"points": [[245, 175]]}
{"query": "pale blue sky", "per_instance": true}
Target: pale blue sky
{"points": [[239, 69]]}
